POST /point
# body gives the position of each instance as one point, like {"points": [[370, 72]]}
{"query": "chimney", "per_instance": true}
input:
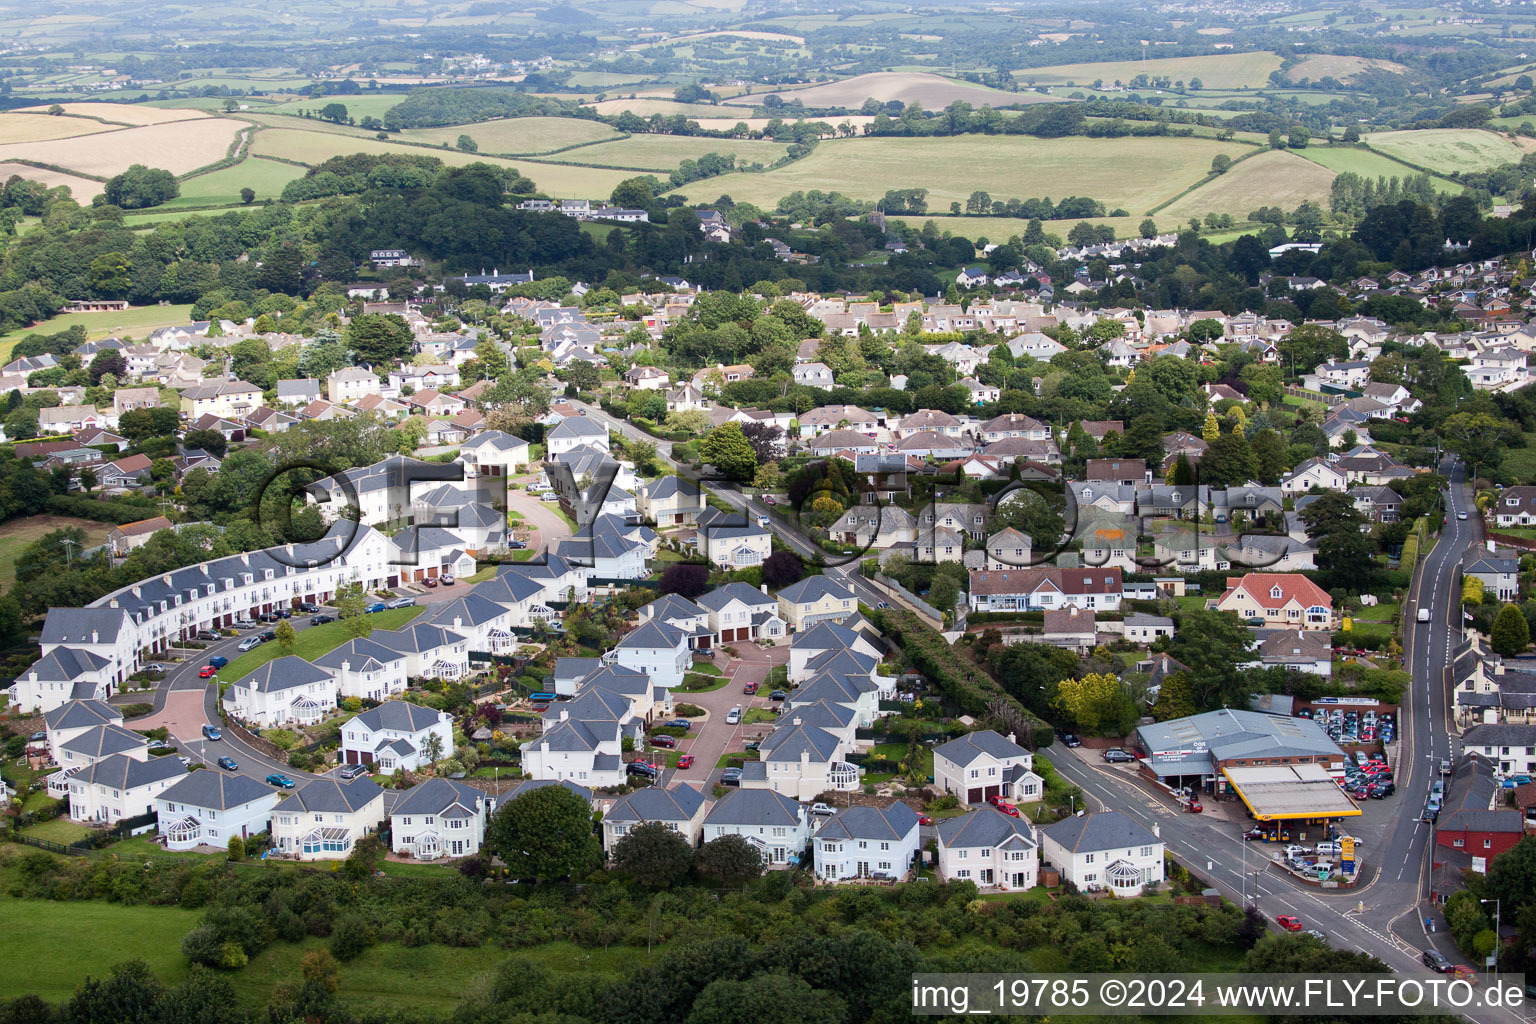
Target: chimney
{"points": [[136, 591], [95, 637], [1012, 738], [795, 720], [564, 714], [763, 587]]}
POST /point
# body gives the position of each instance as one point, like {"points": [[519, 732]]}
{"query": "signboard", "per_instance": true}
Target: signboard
{"points": [[1364, 702], [1347, 848]]}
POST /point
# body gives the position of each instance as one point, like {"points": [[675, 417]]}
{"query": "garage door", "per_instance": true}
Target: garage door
{"points": [[973, 796]]}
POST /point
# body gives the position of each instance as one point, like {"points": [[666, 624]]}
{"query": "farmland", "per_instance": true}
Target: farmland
{"points": [[178, 147], [1271, 178], [1366, 164], [18, 533], [664, 152], [997, 229], [1344, 69], [645, 107], [125, 113], [1447, 150], [1005, 166], [1216, 71], [266, 177], [522, 136], [21, 127], [135, 322], [932, 91]]}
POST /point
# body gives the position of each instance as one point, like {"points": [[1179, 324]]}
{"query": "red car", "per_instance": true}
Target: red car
{"points": [[749, 688], [670, 742], [923, 819], [1195, 806], [430, 581], [1004, 806], [207, 672], [685, 761], [1288, 922]]}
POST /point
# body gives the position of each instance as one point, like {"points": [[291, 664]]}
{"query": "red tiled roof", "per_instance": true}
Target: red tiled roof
{"points": [[1293, 587]]}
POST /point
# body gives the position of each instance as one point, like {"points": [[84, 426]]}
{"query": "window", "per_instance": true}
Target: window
{"points": [[963, 873], [1088, 859], [1460, 843], [1487, 844]]}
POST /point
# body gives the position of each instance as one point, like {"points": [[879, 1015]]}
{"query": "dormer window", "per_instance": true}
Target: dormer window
{"points": [[1275, 592]]}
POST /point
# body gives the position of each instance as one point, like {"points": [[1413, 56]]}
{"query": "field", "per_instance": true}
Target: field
{"points": [[934, 92], [1447, 150], [1272, 178], [665, 152], [178, 147], [1216, 71], [266, 177], [313, 642], [124, 113], [1366, 164], [18, 533], [135, 322], [521, 136], [1005, 166], [314, 148], [999, 229], [20, 127], [80, 189], [1345, 69], [645, 107]]}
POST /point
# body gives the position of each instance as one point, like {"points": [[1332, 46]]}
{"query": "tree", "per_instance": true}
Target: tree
{"points": [[766, 999], [247, 196], [379, 338], [1175, 699], [1221, 163], [1030, 513], [285, 636], [211, 441], [782, 568], [1212, 429], [729, 860], [1183, 474], [766, 440], [1276, 139], [1229, 460], [467, 144], [236, 848], [139, 187], [1211, 644], [685, 579], [1090, 702], [1299, 136], [656, 855], [1510, 634], [334, 112], [728, 450], [545, 835], [634, 194]]}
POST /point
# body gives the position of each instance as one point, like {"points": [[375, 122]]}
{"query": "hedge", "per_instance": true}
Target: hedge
{"points": [[118, 511]]}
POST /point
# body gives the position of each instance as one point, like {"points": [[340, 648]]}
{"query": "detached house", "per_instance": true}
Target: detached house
{"points": [[283, 691], [980, 765], [1516, 506], [206, 808], [324, 819], [867, 843], [990, 848], [1106, 850], [654, 649], [815, 599], [738, 613], [397, 737], [120, 786], [681, 808], [440, 818], [775, 825], [1279, 600], [670, 501]]}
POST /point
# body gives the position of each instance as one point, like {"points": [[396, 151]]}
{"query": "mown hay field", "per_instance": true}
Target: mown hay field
{"points": [[82, 190], [518, 136], [1136, 174], [1215, 71], [1272, 178], [665, 152], [16, 126], [644, 107], [1345, 69], [126, 113], [934, 92], [1447, 150], [178, 147]]}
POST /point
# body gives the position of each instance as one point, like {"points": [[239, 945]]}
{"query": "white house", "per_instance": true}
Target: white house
{"points": [[575, 432], [736, 547], [365, 670], [867, 842], [1141, 628], [992, 849], [64, 675], [324, 819], [980, 765], [808, 645], [68, 721], [120, 786], [680, 808], [208, 807], [587, 752], [283, 691], [1313, 473], [440, 818], [397, 737], [494, 453], [738, 612], [776, 825], [1106, 850], [656, 649]]}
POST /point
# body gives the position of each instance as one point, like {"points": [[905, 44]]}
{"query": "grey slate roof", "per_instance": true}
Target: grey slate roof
{"points": [[101, 740], [82, 714], [667, 486], [285, 673], [871, 823], [789, 741], [416, 638], [813, 588], [985, 827], [216, 790], [332, 796], [721, 596], [824, 636], [471, 610], [653, 635], [576, 426], [119, 771], [399, 716], [529, 785], [358, 653], [442, 797], [66, 664], [678, 803], [75, 625], [754, 807], [962, 750], [1500, 734], [1106, 830]]}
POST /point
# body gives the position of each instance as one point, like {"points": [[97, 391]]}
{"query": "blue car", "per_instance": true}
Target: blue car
{"points": [[218, 661], [228, 764], [377, 606]]}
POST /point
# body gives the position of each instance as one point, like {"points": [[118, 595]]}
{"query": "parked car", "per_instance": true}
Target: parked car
{"points": [[250, 643], [777, 695], [228, 764], [1257, 832], [517, 545], [186, 762], [923, 819], [733, 716], [685, 761], [352, 771], [280, 781], [641, 769], [1071, 740], [321, 619], [749, 688], [218, 661], [669, 742], [211, 732], [157, 745], [308, 606], [207, 635], [265, 635], [704, 652], [447, 579], [1437, 961], [430, 583], [1445, 769], [730, 780], [1289, 922], [1115, 755], [377, 606], [402, 602], [207, 672], [38, 737], [822, 809], [1004, 806], [1195, 807], [244, 624]]}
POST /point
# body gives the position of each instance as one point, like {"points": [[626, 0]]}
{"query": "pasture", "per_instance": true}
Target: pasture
{"points": [[1344, 69], [1271, 178], [135, 322], [642, 106], [1366, 164], [519, 136], [16, 126], [178, 147], [934, 92], [1447, 150], [82, 190], [665, 152], [126, 113], [266, 177], [1000, 229], [1005, 166], [1215, 71]]}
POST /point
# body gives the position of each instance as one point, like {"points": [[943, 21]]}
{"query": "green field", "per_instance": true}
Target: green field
{"points": [[313, 642], [1447, 150], [267, 177], [1005, 166], [996, 229], [18, 533], [1215, 71], [665, 152], [1366, 164], [519, 136], [1272, 178], [135, 322]]}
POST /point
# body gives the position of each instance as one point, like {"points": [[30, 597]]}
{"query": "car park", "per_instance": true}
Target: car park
{"points": [[211, 732], [280, 780], [228, 764], [207, 672], [1289, 922], [352, 771], [1115, 755]]}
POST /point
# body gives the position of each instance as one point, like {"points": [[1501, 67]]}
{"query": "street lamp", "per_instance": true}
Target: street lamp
{"points": [[1493, 958]]}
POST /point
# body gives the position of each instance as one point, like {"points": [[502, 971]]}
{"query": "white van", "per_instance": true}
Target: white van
{"points": [[1423, 614]]}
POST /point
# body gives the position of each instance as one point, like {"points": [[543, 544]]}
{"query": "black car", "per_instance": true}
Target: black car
{"points": [[1070, 740], [267, 635], [644, 770], [777, 695], [1437, 961], [309, 607], [267, 617], [1379, 790], [1114, 755], [320, 620]]}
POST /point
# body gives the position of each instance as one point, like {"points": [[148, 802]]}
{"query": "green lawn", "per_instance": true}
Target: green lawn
{"points": [[135, 322], [59, 830], [63, 942], [313, 642], [756, 715], [695, 682]]}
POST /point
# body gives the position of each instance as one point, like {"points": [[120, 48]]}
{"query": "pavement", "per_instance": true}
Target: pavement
{"points": [[713, 738]]}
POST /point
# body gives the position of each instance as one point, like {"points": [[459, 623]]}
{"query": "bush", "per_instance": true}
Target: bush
{"points": [[236, 848], [350, 937], [688, 711], [136, 710]]}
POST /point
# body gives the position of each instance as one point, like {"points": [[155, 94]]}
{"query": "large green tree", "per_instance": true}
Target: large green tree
{"points": [[654, 854], [545, 835], [1211, 645], [1510, 634], [728, 450], [379, 338], [729, 860]]}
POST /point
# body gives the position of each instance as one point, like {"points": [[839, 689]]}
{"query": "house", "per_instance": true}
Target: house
{"points": [[992, 849], [647, 378], [867, 843], [680, 807], [1516, 506], [737, 612], [208, 808], [397, 737], [813, 375], [323, 819], [125, 538], [108, 639], [972, 277], [1499, 576], [1298, 650], [1509, 747], [815, 599], [654, 649], [440, 818], [1475, 826], [670, 501], [97, 742], [283, 691], [295, 394], [1122, 472], [807, 646], [1141, 628], [981, 765], [1107, 850], [70, 720], [575, 432], [124, 399], [1278, 599], [351, 384], [776, 826], [1045, 587], [130, 471], [232, 400], [494, 453], [120, 786], [1378, 504], [735, 547], [1071, 628]]}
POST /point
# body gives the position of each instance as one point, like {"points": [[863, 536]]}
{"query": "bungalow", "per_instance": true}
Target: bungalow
{"points": [[1046, 587], [208, 808], [990, 848], [397, 737], [440, 818], [295, 394], [127, 472], [1141, 628], [1516, 506], [813, 375], [324, 818], [867, 843], [129, 536], [647, 378], [1107, 850]]}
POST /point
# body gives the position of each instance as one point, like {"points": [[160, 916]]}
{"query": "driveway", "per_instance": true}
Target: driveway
{"points": [[544, 523], [714, 738]]}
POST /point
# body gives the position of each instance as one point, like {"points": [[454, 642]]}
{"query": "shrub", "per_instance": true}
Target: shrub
{"points": [[688, 711], [350, 937], [136, 710], [236, 848]]}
